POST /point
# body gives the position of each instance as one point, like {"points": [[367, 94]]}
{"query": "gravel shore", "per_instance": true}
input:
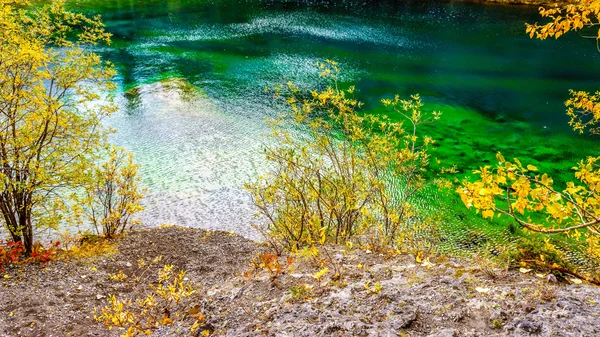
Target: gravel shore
{"points": [[363, 293]]}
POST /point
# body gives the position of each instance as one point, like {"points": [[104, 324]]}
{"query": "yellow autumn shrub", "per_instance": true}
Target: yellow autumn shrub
{"points": [[112, 196], [339, 174], [170, 299], [531, 198]]}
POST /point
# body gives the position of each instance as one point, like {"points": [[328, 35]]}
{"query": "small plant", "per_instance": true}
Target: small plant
{"points": [[547, 293], [270, 262], [10, 253], [491, 269], [42, 254], [118, 277], [88, 247], [319, 275], [14, 252], [300, 293], [375, 289], [320, 257], [168, 301]]}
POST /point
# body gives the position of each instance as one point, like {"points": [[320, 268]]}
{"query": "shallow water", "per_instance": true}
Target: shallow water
{"points": [[498, 89]]}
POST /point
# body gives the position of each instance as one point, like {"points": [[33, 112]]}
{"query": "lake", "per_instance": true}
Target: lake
{"points": [[192, 76]]}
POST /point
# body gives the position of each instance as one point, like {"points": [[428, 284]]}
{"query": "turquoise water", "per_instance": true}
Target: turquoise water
{"points": [[198, 138]]}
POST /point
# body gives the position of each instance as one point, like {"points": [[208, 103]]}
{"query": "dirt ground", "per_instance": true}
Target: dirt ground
{"points": [[58, 299], [361, 293]]}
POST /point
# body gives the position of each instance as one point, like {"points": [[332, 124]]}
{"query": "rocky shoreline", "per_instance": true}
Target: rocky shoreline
{"points": [[363, 293]]}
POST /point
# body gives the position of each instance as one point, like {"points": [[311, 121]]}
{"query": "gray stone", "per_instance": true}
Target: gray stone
{"points": [[445, 333], [528, 326]]}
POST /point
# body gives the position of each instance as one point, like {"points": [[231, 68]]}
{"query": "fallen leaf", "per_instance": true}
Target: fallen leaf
{"points": [[540, 275], [576, 281], [166, 320], [592, 301], [6, 276], [524, 270], [482, 290], [194, 310], [11, 314]]}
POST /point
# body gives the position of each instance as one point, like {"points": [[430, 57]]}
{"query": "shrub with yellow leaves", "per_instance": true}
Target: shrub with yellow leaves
{"points": [[170, 300], [112, 196], [520, 191], [529, 197], [338, 174]]}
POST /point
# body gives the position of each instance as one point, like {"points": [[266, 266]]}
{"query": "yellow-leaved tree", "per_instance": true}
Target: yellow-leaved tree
{"points": [[54, 94], [531, 198]]}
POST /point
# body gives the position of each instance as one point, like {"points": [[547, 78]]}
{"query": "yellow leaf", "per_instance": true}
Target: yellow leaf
{"points": [[518, 162], [524, 270], [488, 213], [419, 257], [6, 276], [576, 281], [320, 273], [166, 320], [11, 314], [531, 168], [500, 157]]}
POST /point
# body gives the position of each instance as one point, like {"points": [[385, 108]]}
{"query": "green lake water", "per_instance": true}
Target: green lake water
{"points": [[198, 138]]}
